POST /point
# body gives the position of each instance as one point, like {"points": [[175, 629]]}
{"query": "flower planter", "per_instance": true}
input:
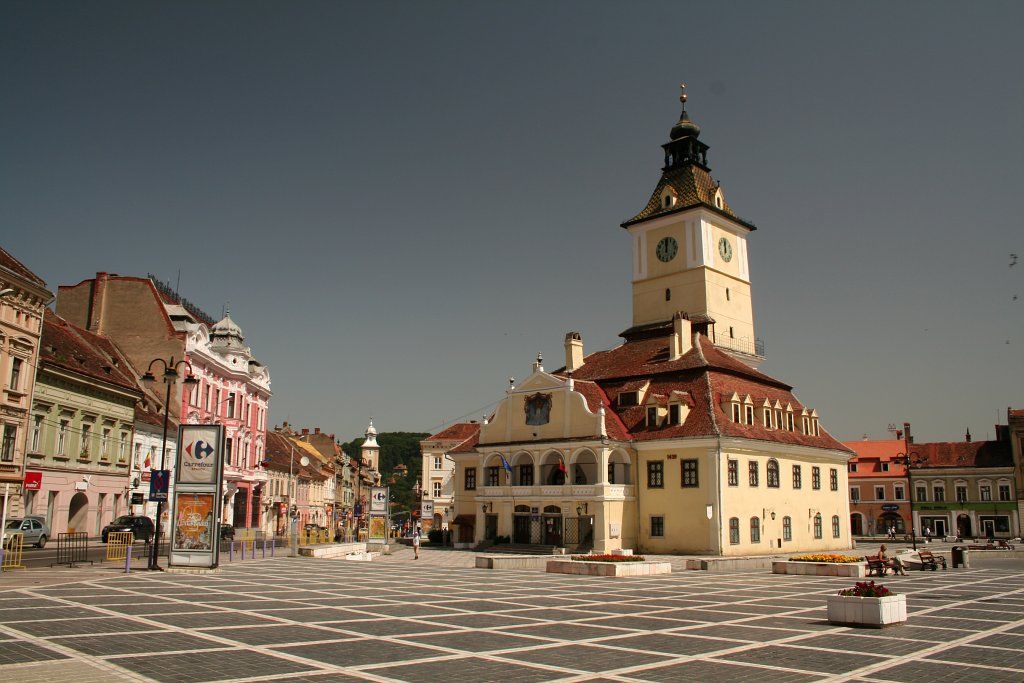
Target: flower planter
{"points": [[848, 610], [608, 568], [849, 569]]}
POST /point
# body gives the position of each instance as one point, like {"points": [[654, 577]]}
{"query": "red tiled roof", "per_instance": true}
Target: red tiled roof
{"points": [[12, 264], [71, 348], [1016, 413], [933, 454], [277, 456], [460, 431], [155, 419], [469, 445]]}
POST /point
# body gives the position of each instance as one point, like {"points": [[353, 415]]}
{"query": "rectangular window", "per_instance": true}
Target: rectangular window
{"points": [[787, 529], [853, 467], [10, 438], [62, 437], [898, 492], [817, 526], [833, 479], [657, 527], [526, 475], [750, 415], [471, 479], [655, 474], [690, 474], [206, 397], [754, 473], [940, 493], [629, 398], [122, 447], [231, 404], [755, 529], [37, 430], [437, 489], [986, 492], [798, 476], [879, 493], [227, 452], [885, 467], [216, 402], [767, 418], [961, 494], [922, 493], [734, 473], [854, 493], [1004, 492], [437, 463], [652, 416], [105, 444], [15, 373], [735, 412], [816, 478], [835, 526], [673, 414], [789, 421], [493, 475], [734, 530]]}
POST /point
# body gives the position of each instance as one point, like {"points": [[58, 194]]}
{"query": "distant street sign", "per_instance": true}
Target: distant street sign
{"points": [[158, 485]]}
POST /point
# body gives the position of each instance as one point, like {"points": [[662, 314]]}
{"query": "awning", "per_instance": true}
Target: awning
{"points": [[464, 520]]}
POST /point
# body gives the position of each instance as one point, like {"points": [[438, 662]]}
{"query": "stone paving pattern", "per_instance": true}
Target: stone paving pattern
{"points": [[438, 618]]}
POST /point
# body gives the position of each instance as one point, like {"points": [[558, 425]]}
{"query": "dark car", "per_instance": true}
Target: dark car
{"points": [[227, 532], [140, 525]]}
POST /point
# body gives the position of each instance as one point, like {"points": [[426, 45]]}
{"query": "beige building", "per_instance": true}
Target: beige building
{"points": [[672, 442], [23, 297], [437, 481]]}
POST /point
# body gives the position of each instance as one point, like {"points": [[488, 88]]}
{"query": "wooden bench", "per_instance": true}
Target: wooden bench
{"points": [[876, 565], [930, 560]]}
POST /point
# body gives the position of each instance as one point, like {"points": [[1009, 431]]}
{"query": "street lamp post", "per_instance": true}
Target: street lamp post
{"points": [[292, 495], [170, 376], [909, 460]]}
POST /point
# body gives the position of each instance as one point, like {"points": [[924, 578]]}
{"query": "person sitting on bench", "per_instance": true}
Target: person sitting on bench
{"points": [[895, 562]]}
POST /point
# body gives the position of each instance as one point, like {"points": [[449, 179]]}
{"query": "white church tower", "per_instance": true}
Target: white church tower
{"points": [[371, 450]]}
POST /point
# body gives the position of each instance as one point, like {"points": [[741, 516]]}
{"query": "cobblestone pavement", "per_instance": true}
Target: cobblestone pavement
{"points": [[400, 619]]}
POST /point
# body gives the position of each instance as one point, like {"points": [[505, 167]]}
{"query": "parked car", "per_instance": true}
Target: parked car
{"points": [[140, 525], [35, 530], [227, 532]]}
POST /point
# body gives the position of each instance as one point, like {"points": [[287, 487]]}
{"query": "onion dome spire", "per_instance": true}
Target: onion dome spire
{"points": [[684, 126]]}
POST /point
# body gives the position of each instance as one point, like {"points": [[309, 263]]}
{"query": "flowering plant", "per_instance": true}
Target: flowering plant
{"points": [[608, 558], [825, 557], [866, 589]]}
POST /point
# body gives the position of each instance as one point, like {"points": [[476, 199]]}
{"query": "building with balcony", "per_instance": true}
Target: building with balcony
{"points": [[672, 442], [437, 482], [148, 320], [23, 298]]}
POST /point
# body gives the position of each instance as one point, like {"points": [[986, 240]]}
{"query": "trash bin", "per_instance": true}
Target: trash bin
{"points": [[961, 557]]}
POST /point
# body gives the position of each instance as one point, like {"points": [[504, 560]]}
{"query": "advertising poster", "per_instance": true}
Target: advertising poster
{"points": [[194, 522], [378, 528], [378, 499], [199, 454]]}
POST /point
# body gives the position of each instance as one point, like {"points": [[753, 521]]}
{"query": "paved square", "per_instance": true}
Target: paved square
{"points": [[440, 619]]}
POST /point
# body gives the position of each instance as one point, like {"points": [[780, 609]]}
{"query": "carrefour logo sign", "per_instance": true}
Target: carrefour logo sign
{"points": [[200, 450], [200, 457]]}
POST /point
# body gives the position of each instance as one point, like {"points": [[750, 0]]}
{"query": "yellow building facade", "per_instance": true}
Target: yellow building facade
{"points": [[672, 442]]}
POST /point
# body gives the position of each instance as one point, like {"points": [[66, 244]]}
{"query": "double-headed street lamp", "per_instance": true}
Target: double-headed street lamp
{"points": [[909, 460], [293, 494], [170, 377]]}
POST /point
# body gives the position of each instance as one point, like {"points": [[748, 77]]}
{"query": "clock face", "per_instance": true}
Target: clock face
{"points": [[725, 249], [667, 249]]}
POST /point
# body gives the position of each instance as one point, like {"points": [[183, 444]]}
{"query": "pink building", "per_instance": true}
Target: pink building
{"points": [[149, 320]]}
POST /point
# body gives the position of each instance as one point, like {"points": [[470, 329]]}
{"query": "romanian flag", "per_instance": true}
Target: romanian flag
{"points": [[561, 465], [149, 462]]}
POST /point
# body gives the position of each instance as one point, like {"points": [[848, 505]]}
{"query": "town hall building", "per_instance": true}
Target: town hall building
{"points": [[672, 442]]}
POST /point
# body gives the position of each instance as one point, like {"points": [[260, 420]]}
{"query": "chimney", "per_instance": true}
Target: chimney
{"points": [[316, 430], [305, 431], [967, 437], [681, 340], [573, 351], [906, 433]]}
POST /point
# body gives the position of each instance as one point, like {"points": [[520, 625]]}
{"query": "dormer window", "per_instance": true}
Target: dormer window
{"points": [[750, 414], [668, 199], [767, 418], [735, 412], [629, 398], [673, 413], [719, 199], [652, 416]]}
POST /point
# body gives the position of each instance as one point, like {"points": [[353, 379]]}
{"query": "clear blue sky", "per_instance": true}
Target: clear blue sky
{"points": [[405, 202]]}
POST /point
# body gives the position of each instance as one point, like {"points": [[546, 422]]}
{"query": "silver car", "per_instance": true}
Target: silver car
{"points": [[34, 529]]}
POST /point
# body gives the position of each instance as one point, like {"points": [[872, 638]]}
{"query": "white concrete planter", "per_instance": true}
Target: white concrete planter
{"points": [[849, 569], [847, 610], [608, 568]]}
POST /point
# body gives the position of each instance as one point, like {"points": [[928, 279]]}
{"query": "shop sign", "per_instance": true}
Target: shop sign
{"points": [[33, 481], [890, 507]]}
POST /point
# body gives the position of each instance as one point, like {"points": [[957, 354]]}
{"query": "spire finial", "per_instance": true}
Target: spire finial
{"points": [[682, 93]]}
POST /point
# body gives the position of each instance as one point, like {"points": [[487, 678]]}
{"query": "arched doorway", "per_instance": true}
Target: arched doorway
{"points": [[618, 468], [889, 519], [856, 524], [553, 469], [521, 524], [78, 512], [963, 526]]}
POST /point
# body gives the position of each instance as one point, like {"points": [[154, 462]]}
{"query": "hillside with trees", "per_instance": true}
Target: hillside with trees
{"points": [[396, 448]]}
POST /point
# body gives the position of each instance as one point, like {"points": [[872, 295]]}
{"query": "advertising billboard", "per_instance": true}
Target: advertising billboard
{"points": [[195, 516], [378, 499], [378, 528]]}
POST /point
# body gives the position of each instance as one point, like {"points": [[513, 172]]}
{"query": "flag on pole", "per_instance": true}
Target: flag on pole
{"points": [[148, 463], [504, 463], [561, 465]]}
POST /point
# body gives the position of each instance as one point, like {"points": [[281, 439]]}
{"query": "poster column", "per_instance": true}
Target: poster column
{"points": [[196, 513], [379, 517]]}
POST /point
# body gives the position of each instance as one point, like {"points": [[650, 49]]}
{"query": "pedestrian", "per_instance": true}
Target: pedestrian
{"points": [[416, 544], [927, 534], [895, 563]]}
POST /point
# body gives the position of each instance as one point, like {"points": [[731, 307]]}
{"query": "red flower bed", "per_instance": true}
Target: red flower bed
{"points": [[608, 558], [865, 589]]}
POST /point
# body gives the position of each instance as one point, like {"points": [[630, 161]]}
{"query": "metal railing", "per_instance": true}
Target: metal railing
{"points": [[10, 554], [118, 543], [72, 548], [751, 347]]}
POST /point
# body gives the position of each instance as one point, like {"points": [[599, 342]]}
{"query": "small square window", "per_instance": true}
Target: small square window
{"points": [[655, 474], [657, 527]]}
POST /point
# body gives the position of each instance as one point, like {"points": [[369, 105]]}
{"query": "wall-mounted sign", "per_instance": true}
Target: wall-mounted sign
{"points": [[199, 475], [33, 481], [378, 499], [890, 507]]}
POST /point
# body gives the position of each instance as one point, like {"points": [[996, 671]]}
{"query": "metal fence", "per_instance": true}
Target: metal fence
{"points": [[117, 544], [72, 548], [10, 557]]}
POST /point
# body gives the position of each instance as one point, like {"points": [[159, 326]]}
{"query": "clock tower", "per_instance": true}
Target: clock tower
{"points": [[690, 251]]}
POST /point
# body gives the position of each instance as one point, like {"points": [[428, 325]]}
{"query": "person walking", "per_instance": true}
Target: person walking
{"points": [[416, 544]]}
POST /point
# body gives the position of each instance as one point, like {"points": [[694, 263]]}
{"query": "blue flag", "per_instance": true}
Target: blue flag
{"points": [[504, 463]]}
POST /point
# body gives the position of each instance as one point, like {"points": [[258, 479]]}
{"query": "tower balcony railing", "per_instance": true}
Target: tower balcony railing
{"points": [[745, 345]]}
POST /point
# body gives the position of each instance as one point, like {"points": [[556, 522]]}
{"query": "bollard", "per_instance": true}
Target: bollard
{"points": [[128, 561], [264, 548], [273, 545], [231, 551]]}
